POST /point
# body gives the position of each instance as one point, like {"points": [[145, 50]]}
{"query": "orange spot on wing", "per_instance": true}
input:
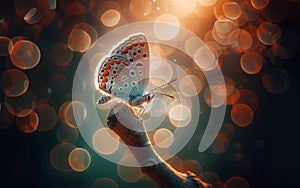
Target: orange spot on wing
{"points": [[142, 43], [126, 63], [104, 79], [130, 47], [108, 67], [103, 86], [118, 61], [125, 51], [111, 63], [106, 73]]}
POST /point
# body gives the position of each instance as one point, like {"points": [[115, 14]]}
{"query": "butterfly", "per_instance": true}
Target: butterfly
{"points": [[124, 73]]}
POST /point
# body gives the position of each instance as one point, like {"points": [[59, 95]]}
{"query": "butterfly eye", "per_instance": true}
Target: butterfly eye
{"points": [[140, 73], [131, 60], [139, 51], [120, 88], [144, 55], [125, 84], [114, 72], [134, 54], [115, 58]]}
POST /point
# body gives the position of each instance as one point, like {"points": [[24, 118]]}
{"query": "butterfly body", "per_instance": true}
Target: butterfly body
{"points": [[124, 73]]}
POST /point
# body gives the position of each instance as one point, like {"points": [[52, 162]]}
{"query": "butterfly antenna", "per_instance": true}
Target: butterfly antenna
{"points": [[172, 97], [163, 85]]}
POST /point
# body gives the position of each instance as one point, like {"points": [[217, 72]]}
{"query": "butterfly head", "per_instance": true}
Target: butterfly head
{"points": [[139, 100]]}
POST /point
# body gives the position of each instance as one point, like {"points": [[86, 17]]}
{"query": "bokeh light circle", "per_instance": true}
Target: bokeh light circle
{"points": [[220, 144], [190, 85], [259, 4], [33, 16], [210, 177], [65, 54], [207, 2], [66, 134], [251, 62], [79, 40], [105, 182], [232, 10], [164, 31], [180, 115], [105, 141], [242, 115], [59, 156], [129, 174], [14, 82], [249, 97], [47, 116], [275, 80], [28, 124], [268, 33], [25, 54], [79, 159], [204, 59], [140, 9], [110, 17], [163, 138], [21, 106], [66, 113], [236, 181]]}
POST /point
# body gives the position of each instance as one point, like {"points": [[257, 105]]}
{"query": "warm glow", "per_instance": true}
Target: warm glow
{"points": [[14, 82], [110, 17], [163, 138], [242, 115], [25, 54], [79, 40], [33, 16], [183, 7], [251, 62], [79, 159], [204, 59], [232, 10], [165, 31], [105, 141], [161, 72], [180, 115], [190, 85], [207, 2]]}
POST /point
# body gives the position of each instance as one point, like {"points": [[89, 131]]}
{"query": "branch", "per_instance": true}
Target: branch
{"points": [[132, 131]]}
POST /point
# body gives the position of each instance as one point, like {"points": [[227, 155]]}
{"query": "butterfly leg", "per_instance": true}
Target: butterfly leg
{"points": [[141, 111]]}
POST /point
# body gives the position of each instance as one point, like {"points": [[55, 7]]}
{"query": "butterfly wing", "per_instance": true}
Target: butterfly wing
{"points": [[125, 73]]}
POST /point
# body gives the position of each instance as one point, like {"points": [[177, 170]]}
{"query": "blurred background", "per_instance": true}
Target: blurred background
{"points": [[257, 46]]}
